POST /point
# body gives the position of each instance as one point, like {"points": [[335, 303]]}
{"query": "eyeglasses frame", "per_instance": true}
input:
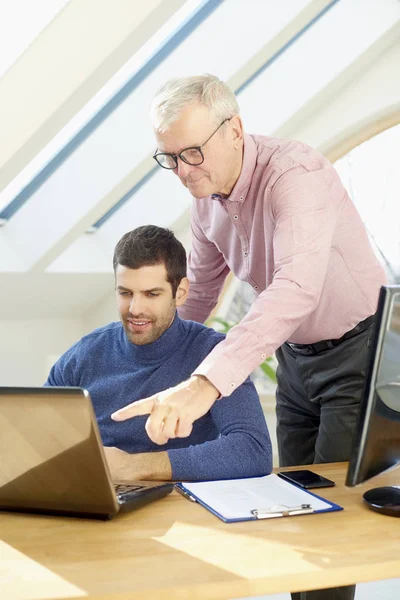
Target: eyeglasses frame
{"points": [[179, 155]]}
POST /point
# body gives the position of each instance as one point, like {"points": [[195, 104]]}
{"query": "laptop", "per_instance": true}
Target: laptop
{"points": [[52, 459]]}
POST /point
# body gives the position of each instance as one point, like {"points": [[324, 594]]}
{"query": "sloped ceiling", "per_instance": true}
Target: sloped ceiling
{"points": [[75, 155]]}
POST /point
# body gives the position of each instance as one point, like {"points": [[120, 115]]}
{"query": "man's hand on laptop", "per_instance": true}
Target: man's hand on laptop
{"points": [[173, 411], [125, 467]]}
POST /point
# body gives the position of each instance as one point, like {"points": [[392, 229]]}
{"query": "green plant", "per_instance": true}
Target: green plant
{"points": [[224, 327]]}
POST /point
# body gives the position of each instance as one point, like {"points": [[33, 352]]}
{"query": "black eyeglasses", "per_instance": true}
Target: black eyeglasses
{"points": [[191, 156]]}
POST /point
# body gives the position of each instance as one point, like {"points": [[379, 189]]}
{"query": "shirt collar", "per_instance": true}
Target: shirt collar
{"points": [[242, 186]]}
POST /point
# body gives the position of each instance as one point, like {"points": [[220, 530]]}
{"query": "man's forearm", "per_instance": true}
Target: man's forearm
{"points": [[154, 465], [127, 467], [232, 456], [149, 465]]}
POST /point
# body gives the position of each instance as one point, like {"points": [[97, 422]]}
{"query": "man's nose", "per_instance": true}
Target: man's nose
{"points": [[136, 305], [183, 168]]}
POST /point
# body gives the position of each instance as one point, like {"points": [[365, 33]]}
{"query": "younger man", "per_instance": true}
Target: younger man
{"points": [[152, 349]]}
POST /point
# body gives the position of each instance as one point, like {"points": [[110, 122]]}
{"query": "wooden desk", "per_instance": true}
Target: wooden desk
{"points": [[176, 549]]}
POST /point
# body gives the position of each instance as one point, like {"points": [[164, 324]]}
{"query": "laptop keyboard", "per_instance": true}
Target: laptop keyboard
{"points": [[131, 496], [127, 488]]}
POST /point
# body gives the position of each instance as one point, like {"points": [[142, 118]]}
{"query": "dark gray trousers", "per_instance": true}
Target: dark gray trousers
{"points": [[317, 407]]}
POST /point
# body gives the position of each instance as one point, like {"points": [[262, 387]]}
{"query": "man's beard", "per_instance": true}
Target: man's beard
{"points": [[155, 330]]}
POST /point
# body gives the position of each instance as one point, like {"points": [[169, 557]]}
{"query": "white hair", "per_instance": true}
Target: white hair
{"points": [[206, 90]]}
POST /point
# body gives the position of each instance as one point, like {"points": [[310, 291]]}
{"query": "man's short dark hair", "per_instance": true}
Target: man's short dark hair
{"points": [[151, 245]]}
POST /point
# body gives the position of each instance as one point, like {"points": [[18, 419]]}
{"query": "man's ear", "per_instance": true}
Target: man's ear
{"points": [[237, 131], [182, 292]]}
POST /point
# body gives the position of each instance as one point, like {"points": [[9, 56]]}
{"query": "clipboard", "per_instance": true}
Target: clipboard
{"points": [[255, 498]]}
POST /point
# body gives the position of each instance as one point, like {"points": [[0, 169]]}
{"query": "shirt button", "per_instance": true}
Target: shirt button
{"points": [[245, 253], [263, 356], [256, 287], [231, 385], [241, 197], [235, 217]]}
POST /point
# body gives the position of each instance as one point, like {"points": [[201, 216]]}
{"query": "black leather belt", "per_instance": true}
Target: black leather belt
{"points": [[318, 347]]}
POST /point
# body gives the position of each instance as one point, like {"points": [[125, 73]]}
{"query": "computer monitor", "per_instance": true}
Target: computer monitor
{"points": [[377, 439]]}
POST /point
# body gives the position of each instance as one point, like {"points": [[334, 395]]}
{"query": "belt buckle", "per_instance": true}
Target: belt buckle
{"points": [[303, 349], [296, 347]]}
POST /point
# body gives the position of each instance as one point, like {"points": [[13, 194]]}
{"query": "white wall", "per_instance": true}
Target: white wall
{"points": [[28, 348], [100, 314]]}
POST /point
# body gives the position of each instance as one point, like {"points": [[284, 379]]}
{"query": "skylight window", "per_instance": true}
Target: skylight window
{"points": [[21, 21], [109, 90], [371, 175]]}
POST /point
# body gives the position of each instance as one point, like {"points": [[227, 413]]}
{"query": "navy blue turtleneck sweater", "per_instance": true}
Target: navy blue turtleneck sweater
{"points": [[230, 441]]}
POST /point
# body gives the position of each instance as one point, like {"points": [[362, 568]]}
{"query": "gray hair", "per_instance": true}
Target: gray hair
{"points": [[207, 90]]}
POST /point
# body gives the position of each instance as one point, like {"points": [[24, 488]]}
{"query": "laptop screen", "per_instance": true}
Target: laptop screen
{"points": [[51, 457]]}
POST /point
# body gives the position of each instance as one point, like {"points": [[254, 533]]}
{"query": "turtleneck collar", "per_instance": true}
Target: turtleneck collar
{"points": [[161, 348]]}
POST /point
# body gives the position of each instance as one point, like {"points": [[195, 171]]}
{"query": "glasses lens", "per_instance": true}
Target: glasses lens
{"points": [[192, 156], [166, 160]]}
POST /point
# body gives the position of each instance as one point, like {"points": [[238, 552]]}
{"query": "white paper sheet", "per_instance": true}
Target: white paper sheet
{"points": [[236, 498]]}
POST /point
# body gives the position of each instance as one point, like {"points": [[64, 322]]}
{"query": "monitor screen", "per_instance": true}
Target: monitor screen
{"points": [[377, 437]]}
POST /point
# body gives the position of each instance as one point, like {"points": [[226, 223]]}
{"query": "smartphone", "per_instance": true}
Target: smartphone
{"points": [[306, 479]]}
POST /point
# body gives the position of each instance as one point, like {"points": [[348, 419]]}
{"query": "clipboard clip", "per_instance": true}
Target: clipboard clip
{"points": [[282, 511], [185, 493]]}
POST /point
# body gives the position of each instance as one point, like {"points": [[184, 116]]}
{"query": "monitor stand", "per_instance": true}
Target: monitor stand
{"points": [[385, 500]]}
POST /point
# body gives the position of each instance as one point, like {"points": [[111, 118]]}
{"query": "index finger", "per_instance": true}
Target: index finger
{"points": [[136, 409]]}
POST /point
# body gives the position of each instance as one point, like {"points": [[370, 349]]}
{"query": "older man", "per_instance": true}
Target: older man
{"points": [[275, 213]]}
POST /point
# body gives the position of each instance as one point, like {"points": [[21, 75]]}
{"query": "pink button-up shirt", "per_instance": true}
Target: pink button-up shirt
{"points": [[291, 231]]}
